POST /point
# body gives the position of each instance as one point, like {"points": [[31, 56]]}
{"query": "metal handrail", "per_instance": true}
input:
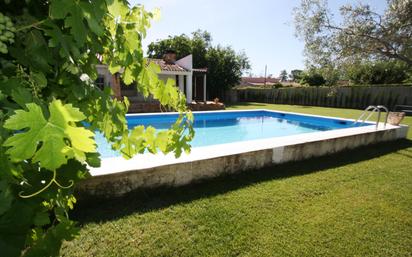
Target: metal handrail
{"points": [[387, 114], [374, 109]]}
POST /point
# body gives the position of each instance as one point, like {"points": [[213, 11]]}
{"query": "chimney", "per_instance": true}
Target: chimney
{"points": [[169, 57]]}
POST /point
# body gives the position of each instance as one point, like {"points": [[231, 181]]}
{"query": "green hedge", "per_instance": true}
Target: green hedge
{"points": [[357, 97]]}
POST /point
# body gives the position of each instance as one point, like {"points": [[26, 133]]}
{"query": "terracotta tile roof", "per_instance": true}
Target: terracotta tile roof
{"points": [[166, 66]]}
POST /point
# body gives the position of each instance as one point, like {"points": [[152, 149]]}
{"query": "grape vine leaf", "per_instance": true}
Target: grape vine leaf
{"points": [[75, 22], [73, 14], [59, 9], [6, 197], [52, 141], [117, 8]]}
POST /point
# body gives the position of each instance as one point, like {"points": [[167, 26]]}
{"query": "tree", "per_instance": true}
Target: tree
{"points": [[295, 75], [362, 34], [330, 73], [283, 75], [51, 110], [225, 66], [312, 77], [197, 45]]}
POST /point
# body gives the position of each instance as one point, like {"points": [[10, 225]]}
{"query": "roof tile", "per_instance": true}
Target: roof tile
{"points": [[167, 66]]}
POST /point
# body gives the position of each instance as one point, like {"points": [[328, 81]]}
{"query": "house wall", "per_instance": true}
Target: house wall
{"points": [[186, 62], [185, 83], [165, 77]]}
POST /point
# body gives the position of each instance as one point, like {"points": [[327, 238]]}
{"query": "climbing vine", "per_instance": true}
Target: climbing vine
{"points": [[51, 110]]}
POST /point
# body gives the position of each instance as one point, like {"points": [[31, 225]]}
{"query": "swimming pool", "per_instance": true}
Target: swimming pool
{"points": [[213, 128], [228, 142]]}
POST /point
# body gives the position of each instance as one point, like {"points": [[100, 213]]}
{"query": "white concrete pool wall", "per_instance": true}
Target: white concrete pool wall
{"points": [[118, 176]]}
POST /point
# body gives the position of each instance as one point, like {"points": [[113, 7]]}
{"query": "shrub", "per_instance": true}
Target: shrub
{"points": [[277, 85], [312, 78]]}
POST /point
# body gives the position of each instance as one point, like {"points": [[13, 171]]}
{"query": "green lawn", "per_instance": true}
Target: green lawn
{"points": [[357, 203]]}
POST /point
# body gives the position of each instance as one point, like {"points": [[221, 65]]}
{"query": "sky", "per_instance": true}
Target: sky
{"points": [[263, 29]]}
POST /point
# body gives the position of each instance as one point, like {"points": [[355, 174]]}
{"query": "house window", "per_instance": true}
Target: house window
{"points": [[100, 82]]}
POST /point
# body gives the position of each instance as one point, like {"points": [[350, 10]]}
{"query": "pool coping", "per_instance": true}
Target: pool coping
{"points": [[116, 165]]}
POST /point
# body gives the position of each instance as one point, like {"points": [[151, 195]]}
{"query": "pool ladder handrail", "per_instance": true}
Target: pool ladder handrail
{"points": [[374, 109]]}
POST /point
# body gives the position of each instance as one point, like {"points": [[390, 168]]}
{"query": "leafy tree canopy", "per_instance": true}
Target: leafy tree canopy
{"points": [[295, 75], [197, 45], [50, 110], [380, 72], [225, 66], [363, 34]]}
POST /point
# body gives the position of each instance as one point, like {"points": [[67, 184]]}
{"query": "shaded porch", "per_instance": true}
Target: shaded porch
{"points": [[199, 93]]}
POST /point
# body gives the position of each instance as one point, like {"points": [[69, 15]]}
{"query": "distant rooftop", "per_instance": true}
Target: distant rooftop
{"points": [[255, 81]]}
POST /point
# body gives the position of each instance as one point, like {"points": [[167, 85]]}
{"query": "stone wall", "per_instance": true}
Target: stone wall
{"points": [[177, 174], [146, 107]]}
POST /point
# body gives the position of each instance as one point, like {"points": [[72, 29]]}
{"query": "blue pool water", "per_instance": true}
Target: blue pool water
{"points": [[228, 127]]}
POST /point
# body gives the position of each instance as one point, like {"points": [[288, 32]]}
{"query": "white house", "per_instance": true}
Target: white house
{"points": [[192, 82]]}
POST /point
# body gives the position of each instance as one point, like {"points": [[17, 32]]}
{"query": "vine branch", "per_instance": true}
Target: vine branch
{"points": [[35, 24]]}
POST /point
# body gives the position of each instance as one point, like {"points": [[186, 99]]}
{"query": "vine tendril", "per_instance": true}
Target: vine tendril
{"points": [[53, 180]]}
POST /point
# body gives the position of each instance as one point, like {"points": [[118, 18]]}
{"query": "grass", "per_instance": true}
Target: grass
{"points": [[357, 203]]}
